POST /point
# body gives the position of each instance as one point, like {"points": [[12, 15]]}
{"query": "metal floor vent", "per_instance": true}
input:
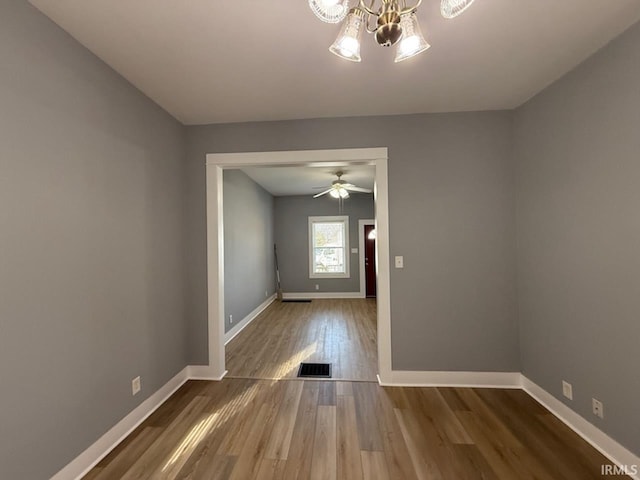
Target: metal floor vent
{"points": [[295, 300], [315, 370]]}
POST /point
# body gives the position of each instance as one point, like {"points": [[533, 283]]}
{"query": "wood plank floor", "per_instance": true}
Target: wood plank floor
{"points": [[293, 429], [263, 423], [341, 332]]}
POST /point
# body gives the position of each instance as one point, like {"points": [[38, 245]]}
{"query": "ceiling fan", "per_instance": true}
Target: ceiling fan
{"points": [[340, 189]]}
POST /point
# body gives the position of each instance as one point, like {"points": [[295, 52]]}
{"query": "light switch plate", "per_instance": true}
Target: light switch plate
{"points": [[399, 261], [135, 386], [567, 390]]}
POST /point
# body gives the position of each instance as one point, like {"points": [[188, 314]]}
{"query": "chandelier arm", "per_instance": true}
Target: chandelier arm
{"points": [[368, 28], [405, 10], [408, 10], [369, 10]]}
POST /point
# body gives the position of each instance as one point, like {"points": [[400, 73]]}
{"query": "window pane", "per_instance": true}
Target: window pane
{"points": [[329, 260], [328, 247], [328, 234]]}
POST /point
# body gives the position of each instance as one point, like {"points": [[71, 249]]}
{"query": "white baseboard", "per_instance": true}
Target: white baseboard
{"points": [[610, 448], [312, 295], [602, 442], [248, 319], [399, 378], [84, 462], [203, 372]]}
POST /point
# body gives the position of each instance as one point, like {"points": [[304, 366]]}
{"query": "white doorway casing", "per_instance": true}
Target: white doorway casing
{"points": [[216, 163]]}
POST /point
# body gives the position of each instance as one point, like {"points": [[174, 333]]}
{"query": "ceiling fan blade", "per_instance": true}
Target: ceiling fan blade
{"points": [[322, 193], [353, 188]]}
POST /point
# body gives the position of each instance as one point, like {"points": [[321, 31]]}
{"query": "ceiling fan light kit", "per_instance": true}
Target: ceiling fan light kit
{"points": [[340, 189], [395, 23], [339, 192]]}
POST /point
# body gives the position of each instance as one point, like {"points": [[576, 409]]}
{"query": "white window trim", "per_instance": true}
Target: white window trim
{"points": [[347, 258]]}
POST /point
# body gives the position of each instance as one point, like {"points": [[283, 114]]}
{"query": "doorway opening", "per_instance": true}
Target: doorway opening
{"points": [[368, 265], [216, 163], [370, 261]]}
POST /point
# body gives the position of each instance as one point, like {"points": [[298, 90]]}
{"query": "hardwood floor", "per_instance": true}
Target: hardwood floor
{"points": [[292, 429], [263, 423], [341, 332]]}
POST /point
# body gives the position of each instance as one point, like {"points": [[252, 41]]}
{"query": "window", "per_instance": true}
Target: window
{"points": [[329, 247]]}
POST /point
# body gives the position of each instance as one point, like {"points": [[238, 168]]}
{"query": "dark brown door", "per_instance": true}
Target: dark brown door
{"points": [[370, 260]]}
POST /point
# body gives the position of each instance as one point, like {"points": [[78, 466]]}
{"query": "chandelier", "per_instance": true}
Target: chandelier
{"points": [[395, 22]]}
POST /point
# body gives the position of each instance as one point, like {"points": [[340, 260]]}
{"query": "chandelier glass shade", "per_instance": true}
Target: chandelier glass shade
{"points": [[412, 42], [347, 45], [330, 11], [453, 8], [391, 21]]}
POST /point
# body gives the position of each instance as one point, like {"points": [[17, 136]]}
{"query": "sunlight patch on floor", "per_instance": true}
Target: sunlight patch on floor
{"points": [[293, 362], [192, 440], [209, 424]]}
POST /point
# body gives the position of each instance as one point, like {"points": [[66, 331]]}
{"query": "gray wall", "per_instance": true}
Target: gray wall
{"points": [[96, 277], [248, 245], [451, 207], [292, 236], [91, 288], [578, 180]]}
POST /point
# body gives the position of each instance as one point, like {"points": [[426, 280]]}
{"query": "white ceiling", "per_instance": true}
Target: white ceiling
{"points": [[284, 181], [209, 61]]}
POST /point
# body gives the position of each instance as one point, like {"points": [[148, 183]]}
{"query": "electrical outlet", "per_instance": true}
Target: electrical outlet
{"points": [[135, 385], [266, 293], [317, 287], [598, 408], [567, 390], [230, 318], [399, 261]]}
